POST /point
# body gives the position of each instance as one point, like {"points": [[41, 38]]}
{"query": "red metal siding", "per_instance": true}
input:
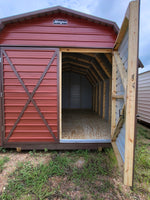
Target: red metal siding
{"points": [[42, 32], [30, 65], [0, 103]]}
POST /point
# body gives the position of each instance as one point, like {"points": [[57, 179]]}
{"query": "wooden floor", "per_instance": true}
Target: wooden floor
{"points": [[84, 124]]}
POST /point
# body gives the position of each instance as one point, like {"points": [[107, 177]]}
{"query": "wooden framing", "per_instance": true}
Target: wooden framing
{"points": [[77, 59], [122, 30], [119, 124], [121, 68], [118, 156], [100, 92], [93, 73], [109, 57], [85, 66], [94, 99], [110, 85], [131, 92], [104, 98], [118, 96], [129, 81], [89, 80], [60, 94], [72, 63], [96, 92], [86, 61], [98, 72], [83, 50], [79, 72], [100, 64], [103, 66], [92, 78], [113, 100]]}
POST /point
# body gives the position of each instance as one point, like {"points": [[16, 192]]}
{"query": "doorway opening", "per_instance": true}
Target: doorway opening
{"points": [[86, 97]]}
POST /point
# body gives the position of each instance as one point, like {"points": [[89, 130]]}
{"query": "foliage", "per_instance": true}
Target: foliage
{"points": [[142, 160], [61, 176], [2, 162]]}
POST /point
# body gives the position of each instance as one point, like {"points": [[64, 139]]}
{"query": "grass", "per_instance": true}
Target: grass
{"points": [[62, 178], [2, 163], [29, 180], [142, 161]]}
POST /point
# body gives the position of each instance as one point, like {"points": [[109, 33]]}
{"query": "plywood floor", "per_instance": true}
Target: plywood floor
{"points": [[84, 124]]}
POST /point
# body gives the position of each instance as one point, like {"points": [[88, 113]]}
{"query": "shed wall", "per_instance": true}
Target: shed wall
{"points": [[144, 97], [42, 32], [77, 91]]}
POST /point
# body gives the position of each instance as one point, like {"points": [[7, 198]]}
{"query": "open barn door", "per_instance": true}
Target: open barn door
{"points": [[124, 86]]}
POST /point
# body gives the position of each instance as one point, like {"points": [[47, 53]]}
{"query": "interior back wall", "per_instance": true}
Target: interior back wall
{"points": [[76, 91]]}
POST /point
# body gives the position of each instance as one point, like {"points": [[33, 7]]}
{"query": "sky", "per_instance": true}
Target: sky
{"points": [[113, 10]]}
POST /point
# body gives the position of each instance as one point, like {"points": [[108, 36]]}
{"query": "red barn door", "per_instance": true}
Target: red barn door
{"points": [[30, 95]]}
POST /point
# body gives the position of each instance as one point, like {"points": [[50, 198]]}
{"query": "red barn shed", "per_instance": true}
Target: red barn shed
{"points": [[68, 81]]}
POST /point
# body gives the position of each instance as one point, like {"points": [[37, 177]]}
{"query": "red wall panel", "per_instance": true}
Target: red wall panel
{"points": [[41, 31], [30, 65]]}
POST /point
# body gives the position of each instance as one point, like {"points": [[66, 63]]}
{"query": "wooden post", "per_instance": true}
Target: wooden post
{"points": [[113, 100], [60, 94], [96, 88], [110, 85], [104, 98], [93, 98], [131, 92], [100, 92]]}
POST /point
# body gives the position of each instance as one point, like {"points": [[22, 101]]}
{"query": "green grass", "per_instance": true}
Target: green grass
{"points": [[34, 180], [61, 177], [3, 150], [143, 133], [2, 162], [142, 160]]}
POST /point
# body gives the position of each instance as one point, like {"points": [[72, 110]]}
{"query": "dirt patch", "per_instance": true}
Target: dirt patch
{"points": [[14, 159], [79, 163]]}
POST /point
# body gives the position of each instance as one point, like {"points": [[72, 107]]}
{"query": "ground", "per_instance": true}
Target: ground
{"points": [[78, 175]]}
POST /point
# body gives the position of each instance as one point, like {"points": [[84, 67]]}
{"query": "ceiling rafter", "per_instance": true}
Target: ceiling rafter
{"points": [[91, 65], [84, 72], [98, 58], [109, 57]]}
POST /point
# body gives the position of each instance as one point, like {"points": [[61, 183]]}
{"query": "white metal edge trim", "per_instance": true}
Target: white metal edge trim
{"points": [[85, 140]]}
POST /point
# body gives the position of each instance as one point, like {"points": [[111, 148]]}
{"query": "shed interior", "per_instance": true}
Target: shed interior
{"points": [[86, 95]]}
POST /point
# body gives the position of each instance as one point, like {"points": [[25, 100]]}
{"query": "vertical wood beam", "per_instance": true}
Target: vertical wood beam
{"points": [[104, 98], [60, 94], [131, 92], [93, 98], [96, 91], [100, 93], [113, 100], [110, 85], [109, 57]]}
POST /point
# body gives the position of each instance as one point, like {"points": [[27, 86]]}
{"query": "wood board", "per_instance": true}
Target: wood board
{"points": [[84, 124]]}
